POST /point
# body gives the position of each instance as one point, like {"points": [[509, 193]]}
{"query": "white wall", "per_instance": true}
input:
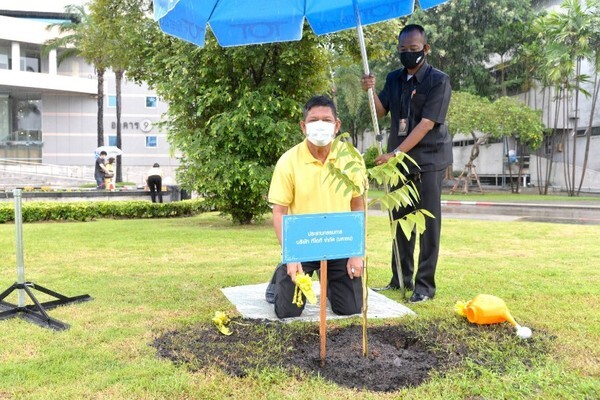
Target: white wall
{"points": [[52, 6]]}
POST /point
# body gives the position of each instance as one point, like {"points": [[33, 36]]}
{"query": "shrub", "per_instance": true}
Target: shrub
{"points": [[369, 156], [36, 211]]}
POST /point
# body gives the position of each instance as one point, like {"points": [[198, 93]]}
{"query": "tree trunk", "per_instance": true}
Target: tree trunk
{"points": [[502, 83], [576, 119], [553, 140], [565, 139], [588, 133], [541, 152], [100, 127], [118, 79]]}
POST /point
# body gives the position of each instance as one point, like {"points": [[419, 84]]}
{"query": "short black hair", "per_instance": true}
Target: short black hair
{"points": [[155, 165], [319, 101], [411, 28], [102, 153]]}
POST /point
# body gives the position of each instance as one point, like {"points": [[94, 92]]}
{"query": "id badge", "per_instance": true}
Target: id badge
{"points": [[402, 128]]}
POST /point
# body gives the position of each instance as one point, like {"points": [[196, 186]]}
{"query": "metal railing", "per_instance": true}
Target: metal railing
{"points": [[19, 173]]}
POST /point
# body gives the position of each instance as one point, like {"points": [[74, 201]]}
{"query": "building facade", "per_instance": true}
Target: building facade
{"points": [[48, 110]]}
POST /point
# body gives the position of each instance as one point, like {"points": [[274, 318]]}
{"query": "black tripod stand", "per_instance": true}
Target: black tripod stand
{"points": [[35, 312]]}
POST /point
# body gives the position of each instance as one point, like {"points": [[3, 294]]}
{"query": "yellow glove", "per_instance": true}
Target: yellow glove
{"points": [[220, 320], [303, 286]]}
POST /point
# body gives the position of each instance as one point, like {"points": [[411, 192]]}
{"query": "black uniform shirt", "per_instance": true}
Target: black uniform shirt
{"points": [[425, 95]]}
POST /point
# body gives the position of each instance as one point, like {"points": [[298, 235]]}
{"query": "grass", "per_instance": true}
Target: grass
{"points": [[151, 276]]}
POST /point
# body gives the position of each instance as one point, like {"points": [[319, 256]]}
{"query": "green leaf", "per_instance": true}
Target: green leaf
{"points": [[407, 227]]}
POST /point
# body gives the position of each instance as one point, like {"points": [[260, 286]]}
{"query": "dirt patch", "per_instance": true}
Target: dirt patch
{"points": [[397, 357]]}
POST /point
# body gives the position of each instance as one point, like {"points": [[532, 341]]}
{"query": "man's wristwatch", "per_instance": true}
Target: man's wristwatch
{"points": [[396, 152]]}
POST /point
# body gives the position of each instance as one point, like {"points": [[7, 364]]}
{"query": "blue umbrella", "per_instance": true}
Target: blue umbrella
{"points": [[244, 22]]}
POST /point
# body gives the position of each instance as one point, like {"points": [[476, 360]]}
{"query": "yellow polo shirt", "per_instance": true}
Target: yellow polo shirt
{"points": [[301, 183]]}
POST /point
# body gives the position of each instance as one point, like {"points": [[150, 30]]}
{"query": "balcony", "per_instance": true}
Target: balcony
{"points": [[47, 82]]}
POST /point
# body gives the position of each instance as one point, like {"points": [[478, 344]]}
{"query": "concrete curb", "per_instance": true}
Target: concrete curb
{"points": [[526, 205]]}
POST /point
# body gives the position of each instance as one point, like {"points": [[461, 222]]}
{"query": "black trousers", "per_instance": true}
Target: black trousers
{"points": [[344, 294], [429, 186], [155, 186]]}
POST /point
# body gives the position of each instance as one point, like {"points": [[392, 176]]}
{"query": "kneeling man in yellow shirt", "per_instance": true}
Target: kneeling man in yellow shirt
{"points": [[301, 185]]}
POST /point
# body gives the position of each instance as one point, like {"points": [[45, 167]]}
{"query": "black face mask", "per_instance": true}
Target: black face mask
{"points": [[410, 59]]}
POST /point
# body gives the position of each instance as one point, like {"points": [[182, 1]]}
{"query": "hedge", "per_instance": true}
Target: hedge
{"points": [[37, 211]]}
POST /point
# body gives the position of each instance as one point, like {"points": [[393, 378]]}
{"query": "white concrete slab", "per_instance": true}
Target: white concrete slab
{"points": [[250, 303]]}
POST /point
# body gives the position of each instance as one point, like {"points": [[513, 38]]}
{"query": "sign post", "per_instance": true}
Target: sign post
{"points": [[312, 237]]}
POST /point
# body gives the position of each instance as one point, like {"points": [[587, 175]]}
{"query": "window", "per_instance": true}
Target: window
{"points": [[4, 57], [112, 101], [30, 60], [4, 118], [112, 140], [151, 101], [151, 141], [21, 128]]}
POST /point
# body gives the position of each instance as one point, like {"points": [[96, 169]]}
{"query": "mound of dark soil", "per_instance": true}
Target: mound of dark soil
{"points": [[396, 357]]}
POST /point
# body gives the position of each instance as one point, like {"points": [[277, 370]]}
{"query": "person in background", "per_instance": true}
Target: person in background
{"points": [[100, 170], [109, 176], [299, 186], [417, 96], [154, 182]]}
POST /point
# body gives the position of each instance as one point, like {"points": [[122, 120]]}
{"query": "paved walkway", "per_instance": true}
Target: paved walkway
{"points": [[579, 212]]}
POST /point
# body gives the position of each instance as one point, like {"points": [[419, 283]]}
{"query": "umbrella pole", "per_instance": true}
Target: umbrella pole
{"points": [[378, 136]]}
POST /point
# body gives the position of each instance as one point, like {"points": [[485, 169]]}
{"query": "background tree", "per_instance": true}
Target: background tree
{"points": [[482, 119], [352, 106], [567, 37], [232, 111], [593, 8], [464, 34], [81, 37], [115, 19], [521, 123]]}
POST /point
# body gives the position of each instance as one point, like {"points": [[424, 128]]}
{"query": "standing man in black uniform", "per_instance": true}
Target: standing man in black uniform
{"points": [[417, 96]]}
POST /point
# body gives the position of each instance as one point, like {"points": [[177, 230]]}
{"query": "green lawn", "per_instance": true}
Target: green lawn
{"points": [[150, 276]]}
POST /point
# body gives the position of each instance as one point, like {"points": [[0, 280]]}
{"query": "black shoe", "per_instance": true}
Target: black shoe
{"points": [[388, 287], [270, 293], [419, 298]]}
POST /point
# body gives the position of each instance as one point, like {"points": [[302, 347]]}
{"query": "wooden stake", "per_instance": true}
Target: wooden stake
{"points": [[323, 315]]}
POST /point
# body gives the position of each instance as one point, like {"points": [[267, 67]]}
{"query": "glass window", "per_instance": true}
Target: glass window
{"points": [[28, 118], [151, 101], [21, 129], [30, 61], [4, 118], [151, 141], [4, 57], [112, 101], [112, 140]]}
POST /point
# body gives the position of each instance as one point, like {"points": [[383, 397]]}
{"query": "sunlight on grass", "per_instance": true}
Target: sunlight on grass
{"points": [[151, 276]]}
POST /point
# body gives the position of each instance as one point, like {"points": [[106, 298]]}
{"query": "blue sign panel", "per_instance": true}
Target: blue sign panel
{"points": [[315, 237]]}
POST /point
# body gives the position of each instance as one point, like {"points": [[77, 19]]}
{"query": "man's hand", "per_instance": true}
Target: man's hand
{"points": [[355, 267], [367, 82], [382, 159], [293, 269]]}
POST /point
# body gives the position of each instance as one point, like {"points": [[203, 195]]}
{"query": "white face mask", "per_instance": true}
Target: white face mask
{"points": [[320, 133]]}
